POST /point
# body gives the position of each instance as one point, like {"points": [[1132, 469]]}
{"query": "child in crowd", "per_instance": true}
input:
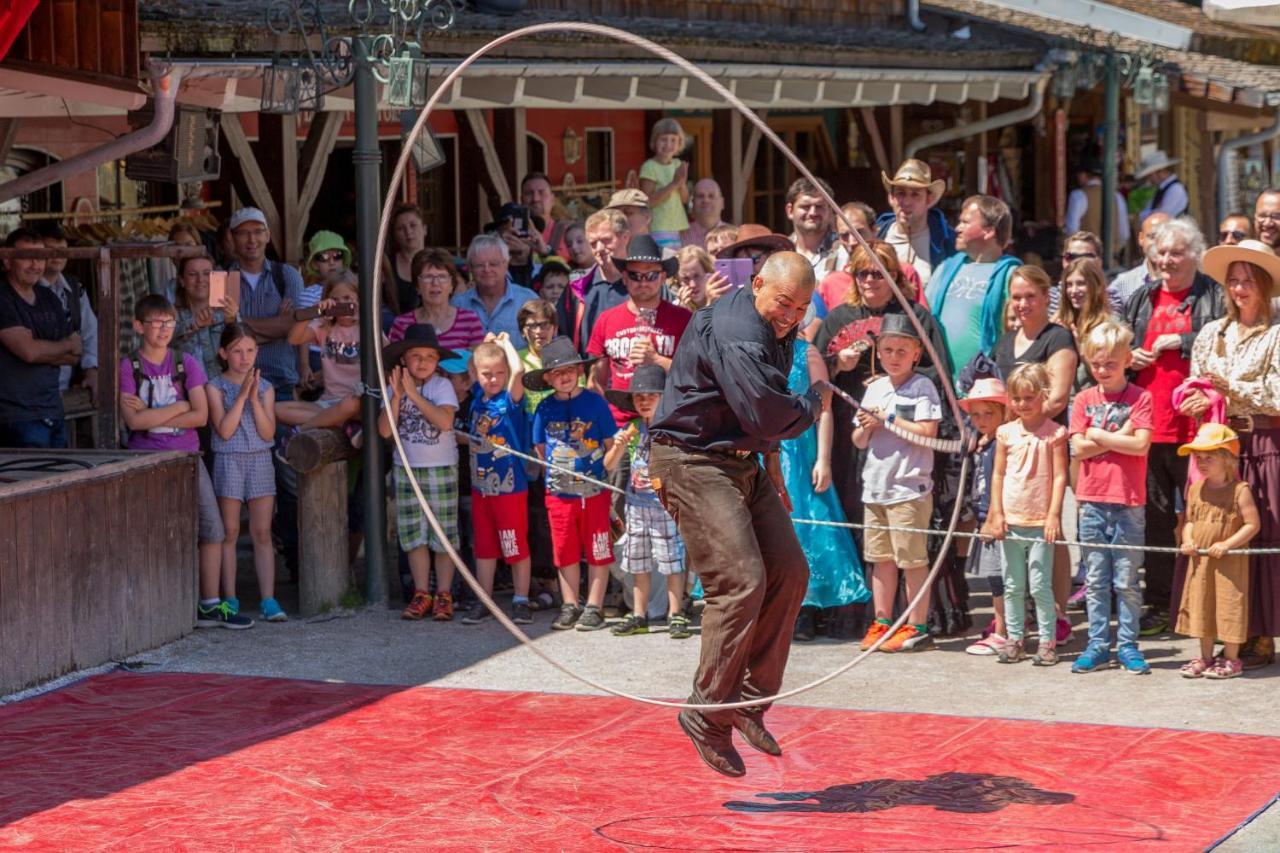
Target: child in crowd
{"points": [[986, 405], [163, 402], [652, 541], [897, 482], [1221, 517], [499, 488], [1028, 482], [573, 429], [1110, 435], [664, 179], [243, 421], [458, 372], [339, 340], [421, 409], [327, 253], [552, 278]]}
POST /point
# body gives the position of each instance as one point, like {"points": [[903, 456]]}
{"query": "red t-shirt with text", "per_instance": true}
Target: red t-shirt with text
{"points": [[1170, 369], [1111, 477], [620, 326]]}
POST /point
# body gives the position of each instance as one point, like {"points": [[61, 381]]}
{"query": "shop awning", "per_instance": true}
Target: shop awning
{"points": [[1264, 13], [658, 86]]}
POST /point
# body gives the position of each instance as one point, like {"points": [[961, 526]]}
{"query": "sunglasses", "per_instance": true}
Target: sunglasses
{"points": [[1223, 236], [868, 274], [330, 257], [539, 324], [655, 275], [1068, 257]]}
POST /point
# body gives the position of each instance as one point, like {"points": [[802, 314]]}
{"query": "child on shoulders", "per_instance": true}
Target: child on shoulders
{"points": [[652, 541], [573, 429], [163, 402], [1110, 435], [897, 482], [421, 410]]}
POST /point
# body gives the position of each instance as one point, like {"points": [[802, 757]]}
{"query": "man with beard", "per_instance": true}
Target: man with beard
{"points": [[811, 217], [916, 229]]}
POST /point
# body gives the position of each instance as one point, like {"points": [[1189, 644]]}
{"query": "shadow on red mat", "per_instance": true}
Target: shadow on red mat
{"points": [[167, 761]]}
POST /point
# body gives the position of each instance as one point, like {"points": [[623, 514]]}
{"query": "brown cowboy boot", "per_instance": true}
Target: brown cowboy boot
{"points": [[754, 733], [717, 753]]}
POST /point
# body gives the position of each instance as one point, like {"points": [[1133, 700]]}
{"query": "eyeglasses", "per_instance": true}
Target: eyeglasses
{"points": [[330, 257], [654, 275], [1267, 217], [161, 324], [435, 279], [539, 324], [1223, 236], [1068, 257], [868, 274]]}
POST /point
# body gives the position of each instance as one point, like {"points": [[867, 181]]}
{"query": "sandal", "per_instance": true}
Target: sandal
{"points": [[1225, 668], [1196, 667], [1011, 653], [1045, 657], [990, 645]]}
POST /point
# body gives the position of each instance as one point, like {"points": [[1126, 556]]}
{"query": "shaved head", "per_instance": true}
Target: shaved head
{"points": [[783, 291]]}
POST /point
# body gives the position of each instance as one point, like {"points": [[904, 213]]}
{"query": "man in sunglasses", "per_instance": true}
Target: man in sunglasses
{"points": [[1234, 228]]}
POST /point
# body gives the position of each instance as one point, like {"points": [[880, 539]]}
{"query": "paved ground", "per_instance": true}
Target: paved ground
{"points": [[374, 646]]}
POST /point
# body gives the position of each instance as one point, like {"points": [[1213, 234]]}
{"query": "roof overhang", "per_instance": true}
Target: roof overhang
{"points": [[654, 85], [24, 94]]}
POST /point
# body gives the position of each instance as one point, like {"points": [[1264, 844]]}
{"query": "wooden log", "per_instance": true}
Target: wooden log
{"points": [[314, 448], [322, 536]]}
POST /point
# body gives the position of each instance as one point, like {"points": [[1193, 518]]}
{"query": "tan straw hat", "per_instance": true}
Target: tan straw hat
{"points": [[1219, 259], [915, 174], [627, 198]]}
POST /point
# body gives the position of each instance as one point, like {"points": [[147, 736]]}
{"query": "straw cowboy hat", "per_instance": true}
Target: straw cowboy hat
{"points": [[915, 174], [1219, 259], [1153, 161]]}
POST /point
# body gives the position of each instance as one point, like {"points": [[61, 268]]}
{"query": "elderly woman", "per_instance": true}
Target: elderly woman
{"points": [[495, 298], [846, 341], [1166, 315], [456, 328], [1240, 355]]}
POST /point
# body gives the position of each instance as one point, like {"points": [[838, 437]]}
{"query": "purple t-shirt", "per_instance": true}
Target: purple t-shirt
{"points": [[160, 387]]}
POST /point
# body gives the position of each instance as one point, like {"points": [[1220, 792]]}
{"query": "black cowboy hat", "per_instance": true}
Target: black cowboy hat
{"points": [[559, 352], [897, 324], [417, 336], [648, 379], [643, 249]]}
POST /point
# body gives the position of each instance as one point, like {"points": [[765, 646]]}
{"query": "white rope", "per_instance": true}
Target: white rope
{"points": [[392, 198]]}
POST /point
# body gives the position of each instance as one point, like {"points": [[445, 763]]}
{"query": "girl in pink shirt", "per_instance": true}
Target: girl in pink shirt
{"points": [[1027, 486]]}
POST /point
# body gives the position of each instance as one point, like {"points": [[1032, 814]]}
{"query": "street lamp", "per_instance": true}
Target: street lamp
{"points": [[386, 48]]}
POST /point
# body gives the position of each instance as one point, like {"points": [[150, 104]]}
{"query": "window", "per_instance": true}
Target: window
{"points": [[438, 196], [599, 155], [773, 173], [536, 153]]}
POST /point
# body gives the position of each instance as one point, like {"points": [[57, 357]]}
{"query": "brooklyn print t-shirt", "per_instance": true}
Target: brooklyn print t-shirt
{"points": [[620, 327], [426, 445]]}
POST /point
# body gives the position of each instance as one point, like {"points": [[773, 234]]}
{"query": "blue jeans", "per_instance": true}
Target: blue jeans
{"points": [[1105, 570], [43, 433], [1028, 568]]}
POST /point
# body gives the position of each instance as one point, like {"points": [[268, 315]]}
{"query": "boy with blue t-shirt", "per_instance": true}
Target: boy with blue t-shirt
{"points": [[499, 487], [573, 429]]}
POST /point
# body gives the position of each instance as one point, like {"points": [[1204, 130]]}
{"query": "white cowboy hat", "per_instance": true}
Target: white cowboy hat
{"points": [[915, 174], [1154, 161], [1219, 259]]}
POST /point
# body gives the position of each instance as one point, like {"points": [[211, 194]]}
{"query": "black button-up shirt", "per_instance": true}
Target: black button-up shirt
{"points": [[727, 388]]}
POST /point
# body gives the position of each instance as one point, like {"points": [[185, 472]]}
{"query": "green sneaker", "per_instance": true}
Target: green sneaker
{"points": [[678, 628], [220, 615], [633, 624], [1154, 622]]}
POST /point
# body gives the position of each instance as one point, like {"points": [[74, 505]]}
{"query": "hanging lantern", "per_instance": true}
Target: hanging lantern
{"points": [[1160, 93], [1064, 82], [289, 87], [1144, 87], [408, 74]]}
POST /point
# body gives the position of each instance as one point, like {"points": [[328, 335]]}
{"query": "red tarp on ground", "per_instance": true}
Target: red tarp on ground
{"points": [[189, 762]]}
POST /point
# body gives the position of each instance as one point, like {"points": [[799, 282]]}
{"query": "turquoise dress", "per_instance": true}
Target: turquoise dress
{"points": [[835, 572]]}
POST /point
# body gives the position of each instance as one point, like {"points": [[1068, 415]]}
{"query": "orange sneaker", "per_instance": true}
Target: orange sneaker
{"points": [[908, 639], [443, 611], [874, 633], [419, 607]]}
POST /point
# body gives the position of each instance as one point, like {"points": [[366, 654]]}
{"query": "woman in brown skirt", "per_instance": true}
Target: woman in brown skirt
{"points": [[1240, 355]]}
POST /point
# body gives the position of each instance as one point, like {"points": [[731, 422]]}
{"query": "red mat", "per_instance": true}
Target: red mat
{"points": [[192, 762]]}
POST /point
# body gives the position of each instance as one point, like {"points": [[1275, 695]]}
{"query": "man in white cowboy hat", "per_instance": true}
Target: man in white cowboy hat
{"points": [[916, 229], [1156, 168]]}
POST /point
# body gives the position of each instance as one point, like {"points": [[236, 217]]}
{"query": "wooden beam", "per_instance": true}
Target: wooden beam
{"points": [[748, 164], [737, 186], [321, 139], [233, 132], [877, 140], [8, 133], [895, 136], [475, 118]]}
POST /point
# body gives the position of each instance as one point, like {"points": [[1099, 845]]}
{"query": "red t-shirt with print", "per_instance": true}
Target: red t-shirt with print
{"points": [[1170, 369], [620, 326]]}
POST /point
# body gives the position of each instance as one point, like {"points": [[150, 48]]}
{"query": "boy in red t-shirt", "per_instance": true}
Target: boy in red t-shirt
{"points": [[1110, 435]]}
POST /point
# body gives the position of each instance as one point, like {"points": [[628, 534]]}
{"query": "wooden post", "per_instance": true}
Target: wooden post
{"points": [[108, 350], [322, 537], [895, 135], [309, 451]]}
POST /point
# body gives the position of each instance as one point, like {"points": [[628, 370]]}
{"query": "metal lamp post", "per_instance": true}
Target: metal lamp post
{"points": [[392, 57]]}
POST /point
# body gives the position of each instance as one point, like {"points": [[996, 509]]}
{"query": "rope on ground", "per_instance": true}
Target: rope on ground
{"points": [[392, 198]]}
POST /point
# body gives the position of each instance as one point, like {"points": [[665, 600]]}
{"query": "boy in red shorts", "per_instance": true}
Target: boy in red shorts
{"points": [[573, 429], [499, 488]]}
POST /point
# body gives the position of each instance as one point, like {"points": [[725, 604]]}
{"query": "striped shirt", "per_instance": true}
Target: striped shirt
{"points": [[467, 332], [260, 299]]}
